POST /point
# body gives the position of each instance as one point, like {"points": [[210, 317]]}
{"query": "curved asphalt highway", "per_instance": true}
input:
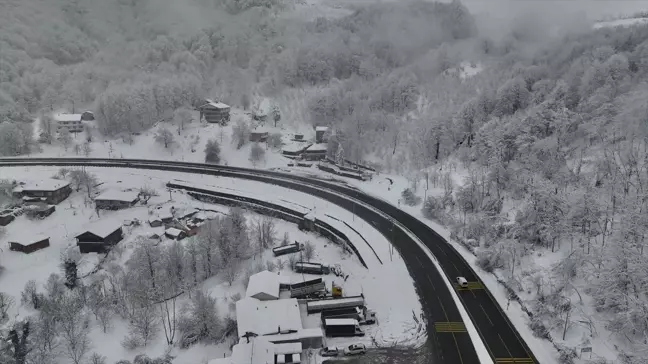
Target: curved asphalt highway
{"points": [[448, 340]]}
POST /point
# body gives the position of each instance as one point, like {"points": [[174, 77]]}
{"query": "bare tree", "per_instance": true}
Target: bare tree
{"points": [[200, 321], [83, 179], [6, 302], [65, 138], [165, 137], [309, 251], [146, 193], [245, 101], [240, 134], [182, 117], [46, 129], [87, 149], [265, 232], [75, 326], [97, 359]]}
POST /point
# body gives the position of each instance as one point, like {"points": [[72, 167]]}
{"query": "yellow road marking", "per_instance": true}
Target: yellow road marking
{"points": [[514, 361], [471, 286], [449, 327]]}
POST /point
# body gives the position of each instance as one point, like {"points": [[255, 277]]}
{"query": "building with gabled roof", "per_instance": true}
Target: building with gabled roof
{"points": [[100, 236], [49, 190], [114, 199], [215, 112], [72, 122], [264, 286]]}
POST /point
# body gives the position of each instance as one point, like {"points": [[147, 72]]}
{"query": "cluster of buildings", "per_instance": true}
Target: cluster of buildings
{"points": [[303, 150], [270, 324]]}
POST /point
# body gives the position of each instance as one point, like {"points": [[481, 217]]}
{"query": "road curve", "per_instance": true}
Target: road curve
{"points": [[448, 341]]}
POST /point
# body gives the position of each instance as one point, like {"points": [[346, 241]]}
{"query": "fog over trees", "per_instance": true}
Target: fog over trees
{"points": [[554, 125]]}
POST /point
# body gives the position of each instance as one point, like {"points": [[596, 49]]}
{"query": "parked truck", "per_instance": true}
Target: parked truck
{"points": [[345, 302], [312, 268], [287, 249], [362, 314], [336, 327], [313, 287]]}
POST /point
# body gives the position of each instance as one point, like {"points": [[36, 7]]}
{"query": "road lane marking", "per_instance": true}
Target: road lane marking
{"points": [[457, 345], [430, 279], [506, 347], [485, 313], [514, 361], [443, 308]]}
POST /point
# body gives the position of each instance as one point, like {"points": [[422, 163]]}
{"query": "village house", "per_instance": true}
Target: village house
{"points": [[115, 200], [266, 285], [258, 135], [28, 246], [51, 191], [99, 237], [215, 112], [71, 122], [175, 234]]}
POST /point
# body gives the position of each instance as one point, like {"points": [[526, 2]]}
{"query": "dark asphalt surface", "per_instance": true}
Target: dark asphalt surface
{"points": [[498, 334]]}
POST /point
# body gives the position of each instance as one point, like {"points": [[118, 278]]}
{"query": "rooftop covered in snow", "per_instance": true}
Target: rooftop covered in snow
{"points": [[67, 117], [267, 317], [47, 184], [215, 104], [101, 228], [322, 128], [264, 286], [173, 232], [116, 195], [317, 147]]}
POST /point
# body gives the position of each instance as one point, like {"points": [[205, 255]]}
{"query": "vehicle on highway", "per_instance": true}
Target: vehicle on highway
{"points": [[355, 349], [329, 351], [462, 282]]}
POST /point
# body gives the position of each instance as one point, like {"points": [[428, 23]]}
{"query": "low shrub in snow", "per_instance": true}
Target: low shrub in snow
{"points": [[409, 198], [431, 208], [539, 329], [489, 261]]}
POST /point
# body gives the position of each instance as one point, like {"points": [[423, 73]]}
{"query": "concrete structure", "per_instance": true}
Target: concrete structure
{"points": [[215, 112], [49, 190], [71, 122], [30, 245], [267, 317], [115, 200], [260, 351], [99, 237]]}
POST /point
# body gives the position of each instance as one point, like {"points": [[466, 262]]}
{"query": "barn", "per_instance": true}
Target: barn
{"points": [[99, 237], [115, 200], [215, 112], [30, 245], [49, 190]]}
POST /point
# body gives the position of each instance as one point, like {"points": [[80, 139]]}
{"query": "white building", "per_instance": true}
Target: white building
{"points": [[260, 351], [265, 285], [71, 122]]}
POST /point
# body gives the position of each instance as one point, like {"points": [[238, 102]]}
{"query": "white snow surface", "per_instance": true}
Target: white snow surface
{"points": [[102, 228], [394, 311], [267, 317], [67, 117]]}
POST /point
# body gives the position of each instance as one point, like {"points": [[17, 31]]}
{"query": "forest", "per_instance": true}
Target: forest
{"points": [[552, 131]]}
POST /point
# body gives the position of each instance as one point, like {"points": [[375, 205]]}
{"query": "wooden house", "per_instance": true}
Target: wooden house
{"points": [[315, 152], [115, 200], [321, 134], [175, 234], [31, 245], [100, 237], [215, 112], [51, 191], [71, 122]]}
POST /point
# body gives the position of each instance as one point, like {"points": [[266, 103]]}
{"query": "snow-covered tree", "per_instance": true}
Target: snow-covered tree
{"points": [[240, 134], [200, 321], [212, 152], [182, 117], [82, 179], [65, 138], [257, 154], [165, 137]]}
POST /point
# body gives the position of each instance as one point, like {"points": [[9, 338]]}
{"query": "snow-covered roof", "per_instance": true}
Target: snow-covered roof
{"points": [[115, 195], [341, 321], [318, 147], [263, 282], [218, 105], [173, 232], [303, 333], [102, 228], [322, 128], [33, 239], [266, 317], [294, 147], [258, 351], [67, 117], [48, 184]]}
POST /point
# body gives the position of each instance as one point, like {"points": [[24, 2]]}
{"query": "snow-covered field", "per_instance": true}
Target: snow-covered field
{"points": [[394, 309]]}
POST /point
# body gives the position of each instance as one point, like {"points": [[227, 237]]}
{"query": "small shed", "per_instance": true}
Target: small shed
{"points": [[115, 200], [175, 234], [155, 222], [30, 245], [215, 112], [320, 134], [39, 211], [6, 218], [100, 236], [264, 286]]}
